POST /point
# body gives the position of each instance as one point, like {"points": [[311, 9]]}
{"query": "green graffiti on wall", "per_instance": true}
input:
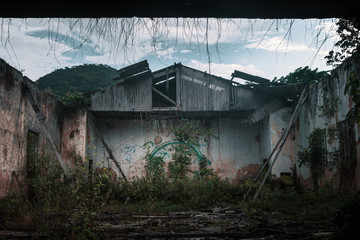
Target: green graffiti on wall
{"points": [[162, 146]]}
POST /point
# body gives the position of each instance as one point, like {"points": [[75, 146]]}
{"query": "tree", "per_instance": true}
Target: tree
{"points": [[302, 75], [349, 43]]}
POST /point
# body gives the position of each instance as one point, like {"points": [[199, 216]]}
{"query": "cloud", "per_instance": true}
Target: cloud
{"points": [[165, 54], [31, 54], [185, 51], [225, 70], [122, 58], [40, 54], [39, 47], [197, 31], [278, 44], [313, 36]]}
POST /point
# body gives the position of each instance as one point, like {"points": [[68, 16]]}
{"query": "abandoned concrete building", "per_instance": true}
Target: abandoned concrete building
{"points": [[134, 118]]}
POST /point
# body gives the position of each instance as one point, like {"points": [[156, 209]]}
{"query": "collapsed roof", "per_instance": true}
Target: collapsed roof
{"points": [[179, 89]]}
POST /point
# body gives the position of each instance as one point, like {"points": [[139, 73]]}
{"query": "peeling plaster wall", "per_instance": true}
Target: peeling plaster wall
{"points": [[74, 137], [278, 123], [234, 155], [316, 114], [17, 118]]}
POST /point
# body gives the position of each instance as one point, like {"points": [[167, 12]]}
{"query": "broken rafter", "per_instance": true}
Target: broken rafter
{"points": [[249, 77], [163, 74], [291, 90], [134, 69], [164, 96]]}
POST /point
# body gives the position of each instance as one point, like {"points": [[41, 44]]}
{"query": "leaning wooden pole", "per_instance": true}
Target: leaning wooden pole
{"points": [[264, 165], [108, 149], [283, 138], [41, 119]]}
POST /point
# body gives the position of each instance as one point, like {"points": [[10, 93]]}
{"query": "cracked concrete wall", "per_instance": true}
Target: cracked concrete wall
{"points": [[17, 118], [74, 137], [325, 108]]}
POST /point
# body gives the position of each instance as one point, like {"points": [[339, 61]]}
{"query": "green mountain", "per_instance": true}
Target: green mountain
{"points": [[82, 78]]}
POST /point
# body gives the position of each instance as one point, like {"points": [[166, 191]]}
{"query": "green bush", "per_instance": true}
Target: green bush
{"points": [[182, 194], [54, 199], [312, 205], [72, 102]]}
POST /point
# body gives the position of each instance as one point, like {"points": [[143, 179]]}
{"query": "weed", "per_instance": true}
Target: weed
{"points": [[72, 102], [307, 205], [188, 135], [52, 200]]}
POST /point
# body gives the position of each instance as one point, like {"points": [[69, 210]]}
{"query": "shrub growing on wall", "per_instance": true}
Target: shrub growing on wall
{"points": [[313, 156], [187, 135]]}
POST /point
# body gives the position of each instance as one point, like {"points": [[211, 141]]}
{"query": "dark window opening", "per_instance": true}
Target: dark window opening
{"points": [[32, 149], [324, 151], [32, 141], [347, 153], [164, 91], [347, 149]]}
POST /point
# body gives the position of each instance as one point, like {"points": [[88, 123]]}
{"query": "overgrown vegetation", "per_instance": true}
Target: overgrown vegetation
{"points": [[318, 157], [305, 75], [348, 43], [178, 187], [352, 88], [53, 201], [306, 205], [330, 106], [73, 102], [348, 46], [313, 157], [188, 136]]}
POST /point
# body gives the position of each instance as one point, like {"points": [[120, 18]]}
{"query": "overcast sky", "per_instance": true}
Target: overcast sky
{"points": [[267, 48]]}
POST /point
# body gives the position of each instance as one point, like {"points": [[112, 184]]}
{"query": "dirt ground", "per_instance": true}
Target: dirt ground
{"points": [[218, 223]]}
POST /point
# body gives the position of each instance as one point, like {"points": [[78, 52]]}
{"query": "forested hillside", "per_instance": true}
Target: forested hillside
{"points": [[83, 78]]}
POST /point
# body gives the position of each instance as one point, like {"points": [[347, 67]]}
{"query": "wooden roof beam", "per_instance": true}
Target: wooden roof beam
{"points": [[249, 77]]}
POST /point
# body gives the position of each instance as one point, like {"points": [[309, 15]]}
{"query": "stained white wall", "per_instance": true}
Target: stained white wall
{"points": [[278, 123], [236, 146]]}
